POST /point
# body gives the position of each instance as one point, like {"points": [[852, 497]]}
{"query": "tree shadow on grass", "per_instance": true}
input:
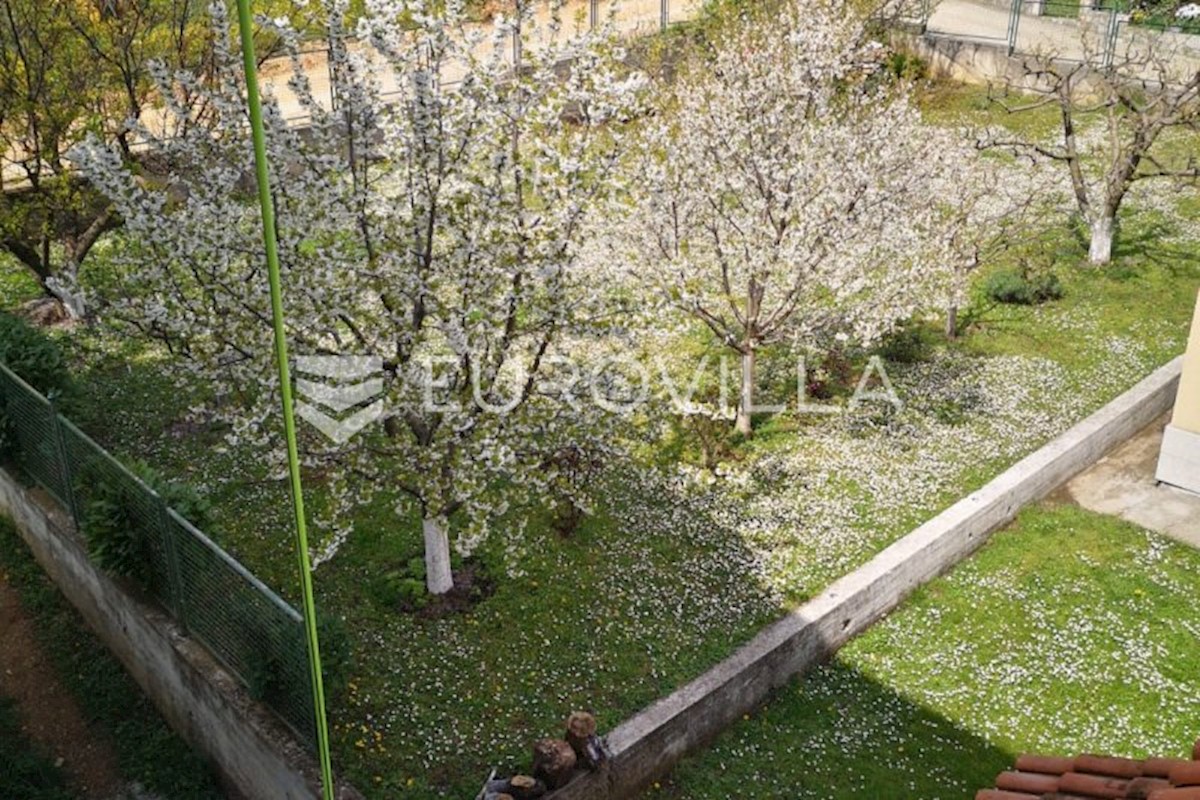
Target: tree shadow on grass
{"points": [[836, 733]]}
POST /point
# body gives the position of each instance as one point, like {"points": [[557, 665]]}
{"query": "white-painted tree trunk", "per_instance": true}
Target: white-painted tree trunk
{"points": [[1100, 247], [438, 579], [952, 322], [746, 398]]}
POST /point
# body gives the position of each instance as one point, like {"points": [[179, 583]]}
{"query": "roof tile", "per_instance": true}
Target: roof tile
{"points": [[1161, 767], [1185, 774], [1098, 777], [1054, 765], [1109, 765], [1029, 782], [1000, 794], [1186, 793], [1094, 785]]}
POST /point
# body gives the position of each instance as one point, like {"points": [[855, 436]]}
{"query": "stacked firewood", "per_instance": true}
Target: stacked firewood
{"points": [[555, 762]]}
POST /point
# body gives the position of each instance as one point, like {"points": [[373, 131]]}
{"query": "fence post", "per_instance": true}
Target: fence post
{"points": [[1110, 37], [1014, 21], [593, 13], [664, 14], [171, 548], [65, 473]]}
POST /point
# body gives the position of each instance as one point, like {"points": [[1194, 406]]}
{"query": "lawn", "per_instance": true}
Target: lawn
{"points": [[1069, 632], [679, 566]]}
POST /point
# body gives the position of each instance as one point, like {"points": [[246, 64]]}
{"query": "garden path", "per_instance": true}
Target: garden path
{"points": [[1122, 484]]}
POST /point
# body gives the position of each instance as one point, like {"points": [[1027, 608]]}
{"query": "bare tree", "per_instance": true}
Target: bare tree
{"points": [[1150, 90]]}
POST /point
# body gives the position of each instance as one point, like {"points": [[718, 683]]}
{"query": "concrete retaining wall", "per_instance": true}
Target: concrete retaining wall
{"points": [[647, 745], [252, 750], [966, 60]]}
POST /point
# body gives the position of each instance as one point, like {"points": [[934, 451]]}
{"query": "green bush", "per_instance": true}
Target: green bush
{"points": [[906, 345], [281, 672], [38, 360], [404, 587], [118, 539], [906, 66], [1014, 287]]}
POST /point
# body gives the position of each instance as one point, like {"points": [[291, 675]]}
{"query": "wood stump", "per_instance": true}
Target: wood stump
{"points": [[581, 735], [525, 787], [553, 761]]}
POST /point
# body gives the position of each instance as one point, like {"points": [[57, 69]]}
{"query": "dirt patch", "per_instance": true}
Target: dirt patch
{"points": [[471, 586], [49, 715]]}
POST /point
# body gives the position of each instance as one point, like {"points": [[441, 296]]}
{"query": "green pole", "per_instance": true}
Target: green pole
{"points": [[285, 389]]}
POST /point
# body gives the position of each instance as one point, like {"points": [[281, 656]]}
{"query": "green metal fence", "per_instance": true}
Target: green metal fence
{"points": [[245, 625]]}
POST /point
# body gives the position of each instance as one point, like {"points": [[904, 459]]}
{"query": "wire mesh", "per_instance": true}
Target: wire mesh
{"points": [[244, 624], [221, 604], [30, 420]]}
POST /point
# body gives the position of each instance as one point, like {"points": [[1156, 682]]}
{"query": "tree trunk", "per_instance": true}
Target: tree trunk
{"points": [[1103, 230], [72, 302], [746, 399], [952, 322], [438, 579]]}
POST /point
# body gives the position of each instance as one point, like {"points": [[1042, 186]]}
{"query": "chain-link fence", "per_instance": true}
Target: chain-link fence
{"points": [[246, 626], [1102, 33]]}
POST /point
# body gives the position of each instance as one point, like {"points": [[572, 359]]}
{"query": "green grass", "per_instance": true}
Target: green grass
{"points": [[17, 283], [25, 771], [147, 750], [1069, 632]]}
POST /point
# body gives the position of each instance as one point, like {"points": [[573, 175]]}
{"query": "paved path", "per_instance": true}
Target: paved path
{"points": [[1067, 38], [632, 18], [1122, 484]]}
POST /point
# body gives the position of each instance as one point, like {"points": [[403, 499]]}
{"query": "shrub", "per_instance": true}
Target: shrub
{"points": [[1015, 287], [34, 356], [906, 66], [405, 587], [906, 345], [118, 540], [281, 672], [38, 360]]}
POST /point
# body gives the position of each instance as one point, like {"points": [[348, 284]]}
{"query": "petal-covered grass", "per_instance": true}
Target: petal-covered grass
{"points": [[1069, 632]]}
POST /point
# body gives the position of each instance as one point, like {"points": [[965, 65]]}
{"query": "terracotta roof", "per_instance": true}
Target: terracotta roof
{"points": [[1090, 777]]}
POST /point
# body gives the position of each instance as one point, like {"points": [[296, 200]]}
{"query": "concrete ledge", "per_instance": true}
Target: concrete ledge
{"points": [[647, 745], [254, 752]]}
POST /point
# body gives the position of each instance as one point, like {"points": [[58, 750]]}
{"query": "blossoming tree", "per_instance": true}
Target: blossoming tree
{"points": [[785, 193], [985, 209], [430, 220]]}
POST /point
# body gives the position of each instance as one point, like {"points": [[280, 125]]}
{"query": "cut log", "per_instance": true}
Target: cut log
{"points": [[525, 787], [580, 725], [554, 762]]}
